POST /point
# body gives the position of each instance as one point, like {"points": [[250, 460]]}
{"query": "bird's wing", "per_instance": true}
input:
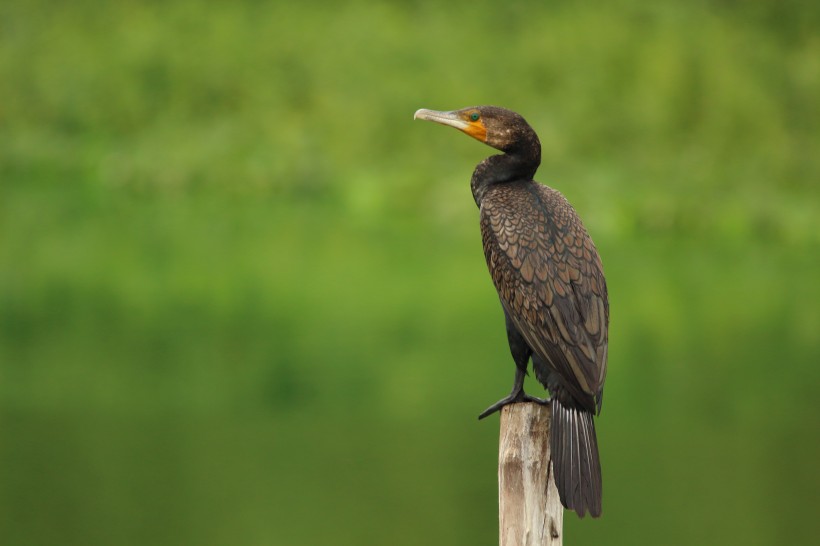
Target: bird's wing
{"points": [[550, 279]]}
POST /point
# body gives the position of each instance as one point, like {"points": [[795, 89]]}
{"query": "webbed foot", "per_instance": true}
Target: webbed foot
{"points": [[514, 397]]}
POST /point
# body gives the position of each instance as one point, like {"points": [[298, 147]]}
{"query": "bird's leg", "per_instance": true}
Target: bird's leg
{"points": [[516, 395]]}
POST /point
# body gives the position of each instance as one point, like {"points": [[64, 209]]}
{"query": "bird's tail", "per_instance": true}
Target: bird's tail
{"points": [[575, 462]]}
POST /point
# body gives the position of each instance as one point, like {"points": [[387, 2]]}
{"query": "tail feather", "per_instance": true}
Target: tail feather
{"points": [[575, 462]]}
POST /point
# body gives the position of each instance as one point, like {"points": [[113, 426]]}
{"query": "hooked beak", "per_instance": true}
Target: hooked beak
{"points": [[445, 118], [457, 119]]}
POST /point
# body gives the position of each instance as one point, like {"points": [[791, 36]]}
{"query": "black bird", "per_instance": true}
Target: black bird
{"points": [[551, 284]]}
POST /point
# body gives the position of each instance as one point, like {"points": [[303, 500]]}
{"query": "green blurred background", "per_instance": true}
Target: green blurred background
{"points": [[243, 298]]}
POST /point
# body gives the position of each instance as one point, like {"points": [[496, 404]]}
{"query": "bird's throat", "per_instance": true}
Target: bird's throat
{"points": [[501, 169]]}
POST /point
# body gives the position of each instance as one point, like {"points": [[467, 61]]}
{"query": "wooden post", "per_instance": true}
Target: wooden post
{"points": [[529, 510]]}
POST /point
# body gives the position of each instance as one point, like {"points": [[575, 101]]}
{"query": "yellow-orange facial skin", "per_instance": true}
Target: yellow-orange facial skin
{"points": [[475, 129]]}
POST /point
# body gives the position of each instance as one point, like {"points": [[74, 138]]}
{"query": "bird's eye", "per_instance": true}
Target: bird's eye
{"points": [[474, 116]]}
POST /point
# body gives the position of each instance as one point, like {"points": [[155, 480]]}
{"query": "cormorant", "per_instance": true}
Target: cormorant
{"points": [[551, 284]]}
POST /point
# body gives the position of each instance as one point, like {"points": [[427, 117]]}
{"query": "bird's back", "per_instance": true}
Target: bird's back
{"points": [[550, 280]]}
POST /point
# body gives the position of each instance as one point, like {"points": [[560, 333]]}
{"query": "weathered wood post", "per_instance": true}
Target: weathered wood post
{"points": [[529, 510]]}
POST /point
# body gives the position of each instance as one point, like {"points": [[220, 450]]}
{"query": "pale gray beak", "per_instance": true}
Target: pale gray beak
{"points": [[445, 118]]}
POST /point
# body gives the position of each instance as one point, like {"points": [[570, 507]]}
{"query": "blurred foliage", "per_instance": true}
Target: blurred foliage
{"points": [[242, 296]]}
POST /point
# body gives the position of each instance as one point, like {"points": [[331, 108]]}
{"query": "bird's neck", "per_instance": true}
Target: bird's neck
{"points": [[503, 168]]}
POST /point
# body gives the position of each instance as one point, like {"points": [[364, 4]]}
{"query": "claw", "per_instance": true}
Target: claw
{"points": [[497, 406]]}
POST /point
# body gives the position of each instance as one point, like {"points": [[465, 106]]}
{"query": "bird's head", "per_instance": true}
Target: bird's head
{"points": [[497, 127]]}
